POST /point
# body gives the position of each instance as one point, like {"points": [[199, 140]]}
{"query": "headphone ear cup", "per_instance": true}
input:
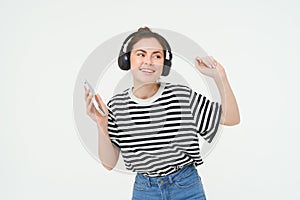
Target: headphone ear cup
{"points": [[124, 60], [166, 68]]}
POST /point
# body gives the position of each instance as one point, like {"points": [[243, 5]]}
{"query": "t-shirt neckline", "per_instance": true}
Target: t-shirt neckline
{"points": [[148, 100]]}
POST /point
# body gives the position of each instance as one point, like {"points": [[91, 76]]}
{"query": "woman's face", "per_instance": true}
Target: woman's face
{"points": [[146, 59]]}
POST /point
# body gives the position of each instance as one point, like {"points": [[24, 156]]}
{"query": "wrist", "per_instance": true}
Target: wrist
{"points": [[221, 77]]}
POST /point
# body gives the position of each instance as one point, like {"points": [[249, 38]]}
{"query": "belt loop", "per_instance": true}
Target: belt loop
{"points": [[170, 179], [148, 181]]}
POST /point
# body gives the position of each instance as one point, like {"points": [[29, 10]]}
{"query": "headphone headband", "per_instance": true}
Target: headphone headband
{"points": [[126, 40]]}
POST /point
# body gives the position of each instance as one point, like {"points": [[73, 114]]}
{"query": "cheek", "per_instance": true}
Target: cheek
{"points": [[159, 62], [134, 63], [159, 65]]}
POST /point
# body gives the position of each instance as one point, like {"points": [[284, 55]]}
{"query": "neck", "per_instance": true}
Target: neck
{"points": [[145, 91]]}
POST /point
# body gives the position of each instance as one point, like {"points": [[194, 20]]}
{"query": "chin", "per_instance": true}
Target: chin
{"points": [[148, 81]]}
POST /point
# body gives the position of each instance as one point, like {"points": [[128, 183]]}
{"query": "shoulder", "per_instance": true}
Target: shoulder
{"points": [[177, 87], [120, 97]]}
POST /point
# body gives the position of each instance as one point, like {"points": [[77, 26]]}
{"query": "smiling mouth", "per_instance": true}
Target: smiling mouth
{"points": [[147, 70]]}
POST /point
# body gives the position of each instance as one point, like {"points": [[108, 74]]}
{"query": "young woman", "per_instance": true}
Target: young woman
{"points": [[156, 125]]}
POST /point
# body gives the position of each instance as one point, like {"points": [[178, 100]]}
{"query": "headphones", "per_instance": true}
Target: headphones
{"points": [[124, 57]]}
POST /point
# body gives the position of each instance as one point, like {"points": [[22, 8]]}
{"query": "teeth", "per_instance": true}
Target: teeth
{"points": [[147, 70]]}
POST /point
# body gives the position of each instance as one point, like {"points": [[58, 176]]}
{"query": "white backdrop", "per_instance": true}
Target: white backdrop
{"points": [[43, 45]]}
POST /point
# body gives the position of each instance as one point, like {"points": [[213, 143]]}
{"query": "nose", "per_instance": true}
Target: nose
{"points": [[148, 60]]}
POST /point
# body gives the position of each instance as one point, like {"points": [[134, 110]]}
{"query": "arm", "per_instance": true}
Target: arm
{"points": [[210, 67], [107, 152]]}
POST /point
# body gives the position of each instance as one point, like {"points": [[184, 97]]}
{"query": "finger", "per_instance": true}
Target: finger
{"points": [[203, 62], [100, 102], [208, 62], [90, 108], [86, 93], [214, 62], [89, 99], [203, 68], [199, 61]]}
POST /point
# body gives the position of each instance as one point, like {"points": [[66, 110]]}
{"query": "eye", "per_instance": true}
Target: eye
{"points": [[157, 56], [139, 54]]}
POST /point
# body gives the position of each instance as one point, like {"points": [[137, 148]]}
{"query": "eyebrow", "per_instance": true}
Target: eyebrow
{"points": [[146, 51]]}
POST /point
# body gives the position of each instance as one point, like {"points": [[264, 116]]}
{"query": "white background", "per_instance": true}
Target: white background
{"points": [[44, 43]]}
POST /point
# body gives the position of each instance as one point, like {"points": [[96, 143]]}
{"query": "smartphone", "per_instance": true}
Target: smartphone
{"points": [[98, 107]]}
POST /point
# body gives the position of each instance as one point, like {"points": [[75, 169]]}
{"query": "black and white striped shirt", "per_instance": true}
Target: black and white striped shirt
{"points": [[158, 135]]}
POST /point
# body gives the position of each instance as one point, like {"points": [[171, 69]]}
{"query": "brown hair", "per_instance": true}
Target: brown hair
{"points": [[145, 32]]}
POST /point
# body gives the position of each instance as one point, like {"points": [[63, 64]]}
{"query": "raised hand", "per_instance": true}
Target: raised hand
{"points": [[208, 66]]}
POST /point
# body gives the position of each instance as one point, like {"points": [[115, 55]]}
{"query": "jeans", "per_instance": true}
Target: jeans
{"points": [[184, 184]]}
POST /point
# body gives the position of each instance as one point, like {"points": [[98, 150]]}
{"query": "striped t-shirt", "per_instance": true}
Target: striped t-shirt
{"points": [[159, 135]]}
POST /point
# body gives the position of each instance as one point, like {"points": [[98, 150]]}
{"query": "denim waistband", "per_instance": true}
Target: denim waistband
{"points": [[182, 173]]}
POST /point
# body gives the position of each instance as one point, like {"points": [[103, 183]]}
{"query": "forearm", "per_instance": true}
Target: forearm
{"points": [[230, 111], [108, 153]]}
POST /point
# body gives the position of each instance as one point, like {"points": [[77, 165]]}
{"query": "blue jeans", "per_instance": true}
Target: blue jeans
{"points": [[184, 184]]}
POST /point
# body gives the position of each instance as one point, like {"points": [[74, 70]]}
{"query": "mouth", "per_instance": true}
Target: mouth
{"points": [[147, 70]]}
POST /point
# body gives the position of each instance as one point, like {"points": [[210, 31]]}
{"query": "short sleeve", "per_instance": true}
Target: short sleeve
{"points": [[112, 128], [206, 115]]}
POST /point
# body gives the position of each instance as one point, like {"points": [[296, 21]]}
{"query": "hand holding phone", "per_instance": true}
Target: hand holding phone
{"points": [[97, 105]]}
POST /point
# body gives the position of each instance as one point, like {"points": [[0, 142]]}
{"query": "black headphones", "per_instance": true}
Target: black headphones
{"points": [[124, 57]]}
